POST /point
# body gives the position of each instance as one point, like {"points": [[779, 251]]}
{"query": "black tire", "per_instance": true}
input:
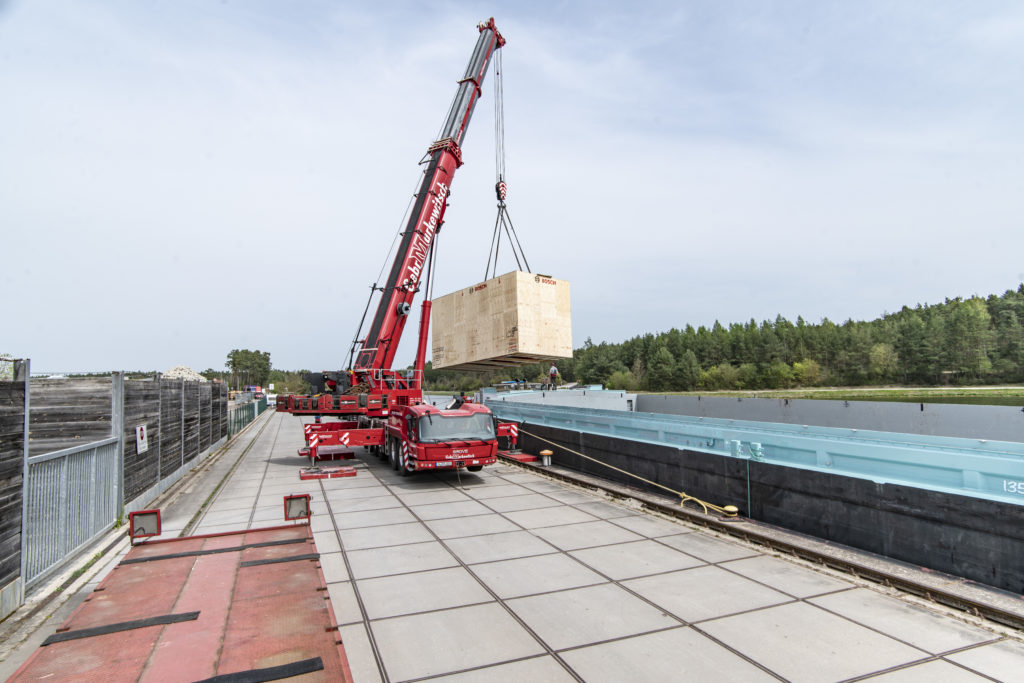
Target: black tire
{"points": [[392, 454], [475, 468]]}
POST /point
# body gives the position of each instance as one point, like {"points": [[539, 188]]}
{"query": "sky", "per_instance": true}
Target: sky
{"points": [[183, 178]]}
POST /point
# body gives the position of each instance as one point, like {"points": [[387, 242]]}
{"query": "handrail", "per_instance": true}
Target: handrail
{"points": [[64, 452]]}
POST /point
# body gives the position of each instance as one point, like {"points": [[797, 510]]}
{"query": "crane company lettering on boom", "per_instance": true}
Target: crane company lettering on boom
{"points": [[422, 240]]}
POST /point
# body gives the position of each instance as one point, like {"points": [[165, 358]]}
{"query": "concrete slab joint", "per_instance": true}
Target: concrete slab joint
{"points": [[509, 575]]}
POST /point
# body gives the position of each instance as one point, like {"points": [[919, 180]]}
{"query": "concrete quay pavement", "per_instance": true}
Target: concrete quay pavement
{"points": [[505, 575]]}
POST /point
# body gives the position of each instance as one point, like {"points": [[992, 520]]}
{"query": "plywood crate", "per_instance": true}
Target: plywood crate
{"points": [[508, 321]]}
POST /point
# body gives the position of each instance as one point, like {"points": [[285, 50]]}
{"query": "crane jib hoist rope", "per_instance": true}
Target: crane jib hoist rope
{"points": [[503, 223]]}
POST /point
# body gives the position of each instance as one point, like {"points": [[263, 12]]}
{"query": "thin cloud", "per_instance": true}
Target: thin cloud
{"points": [[235, 172]]}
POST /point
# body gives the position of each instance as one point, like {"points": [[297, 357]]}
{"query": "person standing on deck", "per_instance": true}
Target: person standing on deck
{"points": [[553, 377]]}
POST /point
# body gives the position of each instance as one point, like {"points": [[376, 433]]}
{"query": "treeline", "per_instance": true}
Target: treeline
{"points": [[284, 381], [253, 367], [960, 341], [956, 342], [248, 367]]}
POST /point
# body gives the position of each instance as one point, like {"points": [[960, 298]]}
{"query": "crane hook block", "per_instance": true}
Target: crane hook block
{"points": [[501, 189]]}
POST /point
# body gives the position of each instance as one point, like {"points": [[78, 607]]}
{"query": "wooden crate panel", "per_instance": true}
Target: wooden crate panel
{"points": [[508, 321]]}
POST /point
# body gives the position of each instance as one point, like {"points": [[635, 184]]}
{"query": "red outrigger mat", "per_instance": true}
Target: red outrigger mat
{"points": [[518, 456], [200, 608]]}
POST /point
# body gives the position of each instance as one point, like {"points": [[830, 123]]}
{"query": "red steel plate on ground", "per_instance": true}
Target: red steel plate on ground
{"points": [[259, 607], [518, 457]]}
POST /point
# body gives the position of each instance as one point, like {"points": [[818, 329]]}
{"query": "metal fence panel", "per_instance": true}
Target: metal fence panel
{"points": [[239, 417], [71, 499]]}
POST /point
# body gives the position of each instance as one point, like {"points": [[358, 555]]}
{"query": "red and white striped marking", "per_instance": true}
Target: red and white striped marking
{"points": [[344, 439], [405, 454]]}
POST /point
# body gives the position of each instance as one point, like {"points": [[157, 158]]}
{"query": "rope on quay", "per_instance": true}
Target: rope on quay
{"points": [[726, 510]]}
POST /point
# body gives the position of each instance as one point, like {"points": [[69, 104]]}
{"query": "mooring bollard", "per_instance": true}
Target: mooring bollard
{"points": [[545, 458]]}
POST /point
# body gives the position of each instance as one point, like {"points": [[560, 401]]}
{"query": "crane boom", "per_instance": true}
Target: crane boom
{"points": [[378, 348]]}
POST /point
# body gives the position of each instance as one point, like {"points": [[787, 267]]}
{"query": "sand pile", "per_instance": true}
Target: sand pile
{"points": [[184, 372]]}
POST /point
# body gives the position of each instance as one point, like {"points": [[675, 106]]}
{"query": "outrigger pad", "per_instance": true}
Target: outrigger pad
{"points": [[326, 472], [518, 456]]}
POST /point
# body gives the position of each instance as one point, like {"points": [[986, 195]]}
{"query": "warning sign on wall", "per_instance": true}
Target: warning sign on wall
{"points": [[141, 439]]}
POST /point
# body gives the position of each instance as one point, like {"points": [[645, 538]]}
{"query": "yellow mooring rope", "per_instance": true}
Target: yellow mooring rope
{"points": [[727, 510]]}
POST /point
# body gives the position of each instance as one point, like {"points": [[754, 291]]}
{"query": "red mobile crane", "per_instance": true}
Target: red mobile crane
{"points": [[383, 409]]}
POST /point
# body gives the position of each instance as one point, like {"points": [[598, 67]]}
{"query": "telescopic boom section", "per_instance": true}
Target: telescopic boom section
{"points": [[444, 157]]}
